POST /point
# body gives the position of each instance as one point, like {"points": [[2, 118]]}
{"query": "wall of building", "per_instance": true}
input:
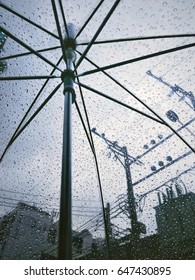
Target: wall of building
{"points": [[29, 233], [24, 233], [176, 219]]}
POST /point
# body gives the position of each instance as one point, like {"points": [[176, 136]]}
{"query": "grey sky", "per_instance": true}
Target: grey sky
{"points": [[33, 163]]}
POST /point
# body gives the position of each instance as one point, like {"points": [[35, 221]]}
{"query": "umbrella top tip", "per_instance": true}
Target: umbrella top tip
{"points": [[69, 39], [71, 29]]}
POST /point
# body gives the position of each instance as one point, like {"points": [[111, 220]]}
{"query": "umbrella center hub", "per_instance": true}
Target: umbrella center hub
{"points": [[70, 43], [68, 79]]}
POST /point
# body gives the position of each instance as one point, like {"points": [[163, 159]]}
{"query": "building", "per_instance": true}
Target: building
{"points": [[28, 232], [81, 243], [175, 217], [24, 233], [175, 237]]}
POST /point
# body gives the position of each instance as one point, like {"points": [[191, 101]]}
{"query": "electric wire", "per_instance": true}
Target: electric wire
{"points": [[0, 4], [91, 221], [173, 66], [162, 120], [122, 86], [162, 168], [158, 105]]}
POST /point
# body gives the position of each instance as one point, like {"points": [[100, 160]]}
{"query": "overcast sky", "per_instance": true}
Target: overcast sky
{"points": [[31, 170]]}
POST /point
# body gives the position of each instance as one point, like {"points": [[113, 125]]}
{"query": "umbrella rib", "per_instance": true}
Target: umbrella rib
{"points": [[13, 78], [64, 18], [16, 135], [155, 189], [137, 39], [138, 99], [97, 32], [58, 28], [161, 121], [165, 139], [28, 47], [85, 110], [27, 112], [121, 103], [28, 53], [97, 168], [122, 86], [87, 21], [136, 59], [82, 121], [28, 20]]}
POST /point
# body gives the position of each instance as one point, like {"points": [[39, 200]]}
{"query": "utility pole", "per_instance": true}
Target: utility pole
{"points": [[176, 89], [122, 152], [107, 210], [131, 197]]}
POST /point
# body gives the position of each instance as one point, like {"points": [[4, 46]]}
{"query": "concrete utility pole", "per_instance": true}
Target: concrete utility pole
{"points": [[131, 197], [122, 152], [109, 225]]}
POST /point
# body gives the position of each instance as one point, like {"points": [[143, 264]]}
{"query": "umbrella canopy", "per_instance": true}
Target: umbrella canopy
{"points": [[133, 76]]}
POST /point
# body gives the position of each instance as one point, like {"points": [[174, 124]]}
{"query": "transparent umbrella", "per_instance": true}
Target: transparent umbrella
{"points": [[121, 66]]}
